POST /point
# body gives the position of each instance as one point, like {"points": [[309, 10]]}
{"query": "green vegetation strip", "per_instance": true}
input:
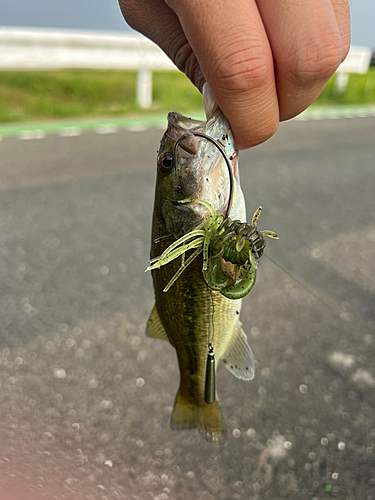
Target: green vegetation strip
{"points": [[111, 124], [43, 95], [79, 124]]}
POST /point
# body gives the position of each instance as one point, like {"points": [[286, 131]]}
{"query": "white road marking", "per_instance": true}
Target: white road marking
{"points": [[70, 132], [26, 135], [107, 129], [334, 116], [136, 128], [29, 135]]}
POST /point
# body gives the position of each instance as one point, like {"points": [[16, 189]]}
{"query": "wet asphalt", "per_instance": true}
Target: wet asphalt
{"points": [[85, 396]]}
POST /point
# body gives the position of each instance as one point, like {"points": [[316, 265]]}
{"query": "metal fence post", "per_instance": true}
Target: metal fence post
{"points": [[144, 89], [341, 83]]}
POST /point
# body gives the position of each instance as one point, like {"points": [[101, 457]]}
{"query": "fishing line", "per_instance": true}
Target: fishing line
{"points": [[213, 307], [210, 382], [210, 378], [316, 296], [209, 386], [210, 304], [161, 238]]}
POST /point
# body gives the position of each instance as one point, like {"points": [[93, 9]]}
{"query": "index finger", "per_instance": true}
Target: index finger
{"points": [[232, 48]]}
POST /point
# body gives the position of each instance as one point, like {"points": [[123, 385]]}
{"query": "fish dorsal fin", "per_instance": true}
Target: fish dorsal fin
{"points": [[238, 357], [155, 328]]}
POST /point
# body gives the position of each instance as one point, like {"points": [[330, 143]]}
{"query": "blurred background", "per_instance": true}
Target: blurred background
{"points": [[81, 59], [85, 396]]}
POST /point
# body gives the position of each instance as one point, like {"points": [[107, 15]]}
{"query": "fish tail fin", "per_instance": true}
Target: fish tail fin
{"points": [[210, 422], [206, 418], [185, 413]]}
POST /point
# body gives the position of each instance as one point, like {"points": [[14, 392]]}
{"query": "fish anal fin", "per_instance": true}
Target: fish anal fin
{"points": [[206, 418], [238, 357], [155, 328]]}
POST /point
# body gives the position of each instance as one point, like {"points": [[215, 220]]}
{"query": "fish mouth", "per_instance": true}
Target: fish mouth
{"points": [[197, 132], [188, 206], [207, 149], [179, 124]]}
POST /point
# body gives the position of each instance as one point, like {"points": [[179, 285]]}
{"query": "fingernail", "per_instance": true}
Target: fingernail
{"points": [[209, 102]]}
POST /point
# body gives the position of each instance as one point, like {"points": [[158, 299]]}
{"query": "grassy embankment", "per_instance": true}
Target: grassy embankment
{"points": [[55, 94]]}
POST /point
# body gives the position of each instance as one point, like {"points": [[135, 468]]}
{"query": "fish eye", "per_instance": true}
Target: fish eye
{"points": [[166, 162]]}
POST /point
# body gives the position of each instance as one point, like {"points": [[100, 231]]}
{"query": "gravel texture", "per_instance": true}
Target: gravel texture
{"points": [[85, 396]]}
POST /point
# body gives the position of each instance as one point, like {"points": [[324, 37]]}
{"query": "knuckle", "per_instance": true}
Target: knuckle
{"points": [[184, 58], [318, 60], [243, 70], [182, 54]]}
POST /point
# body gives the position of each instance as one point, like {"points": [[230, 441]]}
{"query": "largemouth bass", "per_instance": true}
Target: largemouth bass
{"points": [[190, 311]]}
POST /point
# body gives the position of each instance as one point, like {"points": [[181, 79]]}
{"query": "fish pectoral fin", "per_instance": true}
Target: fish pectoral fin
{"points": [[238, 357], [155, 328]]}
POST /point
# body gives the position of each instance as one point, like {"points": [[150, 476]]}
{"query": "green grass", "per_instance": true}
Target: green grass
{"points": [[361, 90], [30, 95], [54, 94]]}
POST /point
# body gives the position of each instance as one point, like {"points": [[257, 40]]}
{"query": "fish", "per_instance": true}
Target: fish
{"points": [[189, 312]]}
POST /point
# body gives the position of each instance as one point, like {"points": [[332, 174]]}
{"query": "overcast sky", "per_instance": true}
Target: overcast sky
{"points": [[105, 15]]}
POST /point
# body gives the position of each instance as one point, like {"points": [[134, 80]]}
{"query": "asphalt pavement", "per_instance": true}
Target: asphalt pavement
{"points": [[85, 396]]}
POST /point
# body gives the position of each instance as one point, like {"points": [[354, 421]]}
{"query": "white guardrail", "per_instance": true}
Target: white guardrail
{"points": [[52, 49]]}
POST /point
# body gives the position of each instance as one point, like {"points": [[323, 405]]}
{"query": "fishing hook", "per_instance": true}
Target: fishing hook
{"points": [[222, 151]]}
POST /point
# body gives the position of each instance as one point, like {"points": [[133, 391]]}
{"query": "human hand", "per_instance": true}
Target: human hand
{"points": [[265, 61]]}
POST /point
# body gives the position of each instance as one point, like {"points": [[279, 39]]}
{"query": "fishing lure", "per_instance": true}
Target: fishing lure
{"points": [[223, 242]]}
